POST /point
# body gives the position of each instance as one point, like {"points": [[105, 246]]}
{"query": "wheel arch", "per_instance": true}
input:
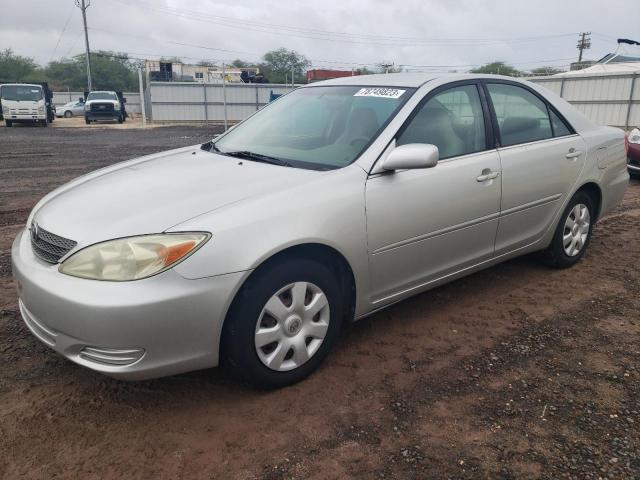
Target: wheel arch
{"points": [[320, 252], [593, 190]]}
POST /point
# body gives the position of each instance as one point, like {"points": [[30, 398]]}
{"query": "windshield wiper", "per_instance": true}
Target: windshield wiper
{"points": [[257, 157]]}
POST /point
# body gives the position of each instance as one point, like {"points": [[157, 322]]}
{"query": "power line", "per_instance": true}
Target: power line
{"points": [[61, 34], [326, 35]]}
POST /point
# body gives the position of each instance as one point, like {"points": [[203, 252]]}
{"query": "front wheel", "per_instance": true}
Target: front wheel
{"points": [[120, 119], [87, 121], [573, 233], [283, 323], [68, 114], [8, 123]]}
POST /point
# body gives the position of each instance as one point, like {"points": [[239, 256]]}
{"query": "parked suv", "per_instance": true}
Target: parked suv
{"points": [[104, 105]]}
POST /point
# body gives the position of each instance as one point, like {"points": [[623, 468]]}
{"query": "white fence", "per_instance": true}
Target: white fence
{"points": [[205, 102], [606, 99], [132, 98]]}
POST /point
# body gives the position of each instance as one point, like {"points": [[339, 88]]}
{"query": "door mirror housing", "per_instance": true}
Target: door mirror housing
{"points": [[411, 156], [80, 100]]}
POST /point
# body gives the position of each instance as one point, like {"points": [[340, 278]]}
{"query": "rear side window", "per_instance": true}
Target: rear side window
{"points": [[451, 120], [522, 117], [560, 129]]}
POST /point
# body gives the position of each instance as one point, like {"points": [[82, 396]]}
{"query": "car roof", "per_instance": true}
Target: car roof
{"points": [[410, 80]]}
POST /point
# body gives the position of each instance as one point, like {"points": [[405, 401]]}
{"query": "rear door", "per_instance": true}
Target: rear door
{"points": [[541, 159], [424, 224]]}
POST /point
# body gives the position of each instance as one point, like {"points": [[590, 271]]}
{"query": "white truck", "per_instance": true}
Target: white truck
{"points": [[24, 103]]}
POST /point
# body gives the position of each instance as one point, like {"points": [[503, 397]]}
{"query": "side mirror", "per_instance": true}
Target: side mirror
{"points": [[412, 155], [80, 100]]}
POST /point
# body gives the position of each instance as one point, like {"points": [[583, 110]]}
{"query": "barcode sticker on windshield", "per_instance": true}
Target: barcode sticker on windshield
{"points": [[34, 91], [380, 92]]}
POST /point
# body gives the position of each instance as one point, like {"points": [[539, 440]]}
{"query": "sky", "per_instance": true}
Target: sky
{"points": [[420, 35]]}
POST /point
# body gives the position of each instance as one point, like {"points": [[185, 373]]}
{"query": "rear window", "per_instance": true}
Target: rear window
{"points": [[522, 116]]}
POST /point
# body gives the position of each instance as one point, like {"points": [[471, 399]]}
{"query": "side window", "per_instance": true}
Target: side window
{"points": [[522, 117], [451, 120], [560, 129]]}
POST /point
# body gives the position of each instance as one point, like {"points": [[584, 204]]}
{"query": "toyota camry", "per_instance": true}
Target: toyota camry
{"points": [[334, 201]]}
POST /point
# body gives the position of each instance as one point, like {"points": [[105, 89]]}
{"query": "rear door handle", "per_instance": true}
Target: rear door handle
{"points": [[489, 175], [573, 153]]}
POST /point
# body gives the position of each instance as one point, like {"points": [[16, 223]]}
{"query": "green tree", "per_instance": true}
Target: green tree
{"points": [[241, 63], [499, 68], [545, 71], [15, 68], [109, 71], [278, 64]]}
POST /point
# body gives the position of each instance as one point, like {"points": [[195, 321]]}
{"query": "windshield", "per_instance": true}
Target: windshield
{"points": [[21, 92], [317, 127], [102, 96]]}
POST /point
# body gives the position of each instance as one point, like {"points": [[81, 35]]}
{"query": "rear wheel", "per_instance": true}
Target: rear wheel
{"points": [[68, 114], [573, 233], [283, 323]]}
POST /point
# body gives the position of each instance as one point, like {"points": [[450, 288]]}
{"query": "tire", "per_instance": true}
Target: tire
{"points": [[120, 119], [8, 123], [44, 123], [248, 314], [68, 114], [87, 121], [564, 252]]}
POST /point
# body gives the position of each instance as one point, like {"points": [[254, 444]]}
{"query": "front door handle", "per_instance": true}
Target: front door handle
{"points": [[573, 153], [487, 175]]}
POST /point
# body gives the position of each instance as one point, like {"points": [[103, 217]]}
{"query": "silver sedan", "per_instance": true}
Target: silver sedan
{"points": [[70, 109], [335, 201]]}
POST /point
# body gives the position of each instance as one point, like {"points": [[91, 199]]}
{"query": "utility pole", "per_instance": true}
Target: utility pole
{"points": [[584, 44], [83, 5]]}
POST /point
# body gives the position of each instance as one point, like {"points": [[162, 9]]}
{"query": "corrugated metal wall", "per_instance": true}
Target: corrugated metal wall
{"points": [[132, 105], [606, 99], [204, 102]]}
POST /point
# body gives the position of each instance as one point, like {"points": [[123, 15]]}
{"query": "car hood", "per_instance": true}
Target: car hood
{"points": [[154, 193]]}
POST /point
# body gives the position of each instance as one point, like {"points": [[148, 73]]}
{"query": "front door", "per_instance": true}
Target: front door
{"points": [[425, 224]]}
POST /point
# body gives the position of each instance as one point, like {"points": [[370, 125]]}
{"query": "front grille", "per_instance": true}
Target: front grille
{"points": [[48, 246], [102, 107]]}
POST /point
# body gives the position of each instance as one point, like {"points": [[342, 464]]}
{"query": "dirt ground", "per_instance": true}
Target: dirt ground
{"points": [[515, 372]]}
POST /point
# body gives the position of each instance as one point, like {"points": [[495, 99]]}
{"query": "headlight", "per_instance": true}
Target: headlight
{"points": [[116, 106], [87, 108], [634, 136], [132, 258], [41, 110]]}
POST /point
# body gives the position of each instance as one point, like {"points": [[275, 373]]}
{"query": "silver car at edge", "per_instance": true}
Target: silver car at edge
{"points": [[336, 200]]}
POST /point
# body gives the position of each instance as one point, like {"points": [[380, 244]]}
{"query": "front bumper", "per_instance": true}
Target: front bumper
{"points": [[136, 330], [105, 115], [26, 117]]}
